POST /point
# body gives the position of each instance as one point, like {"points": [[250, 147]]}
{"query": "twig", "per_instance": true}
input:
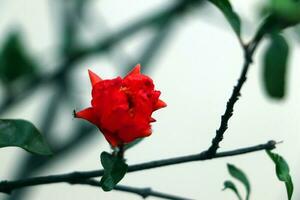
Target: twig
{"points": [[143, 192], [9, 186], [236, 93]]}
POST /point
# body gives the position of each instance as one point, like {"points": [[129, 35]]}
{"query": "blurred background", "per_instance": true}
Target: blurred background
{"points": [[194, 57]]}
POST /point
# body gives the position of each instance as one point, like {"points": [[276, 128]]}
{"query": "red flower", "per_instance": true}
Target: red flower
{"points": [[122, 108]]}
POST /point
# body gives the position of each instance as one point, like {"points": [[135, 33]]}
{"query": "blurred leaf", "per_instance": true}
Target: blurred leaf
{"points": [[14, 60], [275, 66], [273, 23], [230, 185], [115, 169], [241, 176], [230, 14], [282, 172], [24, 134], [132, 144], [80, 6], [287, 10]]}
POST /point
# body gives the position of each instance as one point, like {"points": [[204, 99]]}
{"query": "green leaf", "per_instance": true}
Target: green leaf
{"points": [[230, 185], [132, 144], [24, 134], [230, 14], [287, 10], [15, 63], [281, 15], [241, 176], [115, 169], [282, 172], [275, 66]]}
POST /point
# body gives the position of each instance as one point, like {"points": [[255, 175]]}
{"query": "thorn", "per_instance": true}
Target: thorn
{"points": [[280, 142], [74, 113]]}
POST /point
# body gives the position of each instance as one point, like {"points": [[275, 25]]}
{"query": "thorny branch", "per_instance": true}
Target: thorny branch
{"points": [[236, 93], [9, 186]]}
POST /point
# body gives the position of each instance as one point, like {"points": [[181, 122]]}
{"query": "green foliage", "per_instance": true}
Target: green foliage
{"points": [[21, 133], [15, 63], [287, 10], [275, 66], [230, 14], [115, 169], [282, 172], [231, 186], [240, 176], [279, 17]]}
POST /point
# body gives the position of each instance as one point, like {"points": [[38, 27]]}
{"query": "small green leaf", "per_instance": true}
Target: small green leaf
{"points": [[15, 62], [24, 134], [115, 169], [230, 185], [275, 66], [282, 172], [132, 144], [230, 14], [241, 176]]}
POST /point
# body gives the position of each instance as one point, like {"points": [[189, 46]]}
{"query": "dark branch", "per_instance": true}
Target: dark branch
{"points": [[236, 93], [9, 186], [143, 192]]}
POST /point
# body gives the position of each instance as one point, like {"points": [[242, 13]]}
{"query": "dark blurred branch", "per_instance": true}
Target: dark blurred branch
{"points": [[143, 192], [60, 152], [9, 186], [105, 44], [163, 31], [49, 113], [83, 132], [67, 34], [34, 163], [30, 161]]}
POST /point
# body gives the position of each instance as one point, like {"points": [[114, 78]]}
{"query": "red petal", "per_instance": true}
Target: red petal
{"points": [[94, 78], [147, 132], [111, 139], [160, 104], [87, 114], [135, 71]]}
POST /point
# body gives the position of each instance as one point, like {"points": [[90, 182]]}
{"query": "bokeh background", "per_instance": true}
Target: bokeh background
{"points": [[193, 56]]}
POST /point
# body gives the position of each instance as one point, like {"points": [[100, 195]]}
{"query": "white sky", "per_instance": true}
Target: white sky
{"points": [[195, 71]]}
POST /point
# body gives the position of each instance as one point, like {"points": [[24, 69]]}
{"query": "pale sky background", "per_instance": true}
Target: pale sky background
{"points": [[195, 71]]}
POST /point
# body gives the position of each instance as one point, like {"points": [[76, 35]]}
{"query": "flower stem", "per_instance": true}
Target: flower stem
{"points": [[121, 151]]}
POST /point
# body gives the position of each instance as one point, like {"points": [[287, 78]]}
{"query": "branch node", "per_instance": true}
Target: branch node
{"points": [[272, 144], [145, 192]]}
